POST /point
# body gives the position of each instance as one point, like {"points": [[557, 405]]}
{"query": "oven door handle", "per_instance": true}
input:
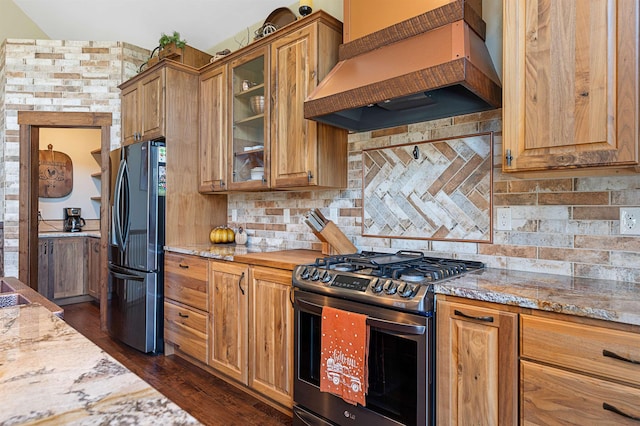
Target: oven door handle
{"points": [[381, 324]]}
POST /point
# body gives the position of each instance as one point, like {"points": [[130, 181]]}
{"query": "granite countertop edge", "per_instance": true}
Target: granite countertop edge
{"points": [[64, 234], [46, 382], [609, 300]]}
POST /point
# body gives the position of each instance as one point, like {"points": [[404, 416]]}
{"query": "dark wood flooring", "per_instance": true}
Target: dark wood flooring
{"points": [[205, 397]]}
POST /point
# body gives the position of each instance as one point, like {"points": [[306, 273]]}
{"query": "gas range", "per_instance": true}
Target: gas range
{"points": [[401, 281]]}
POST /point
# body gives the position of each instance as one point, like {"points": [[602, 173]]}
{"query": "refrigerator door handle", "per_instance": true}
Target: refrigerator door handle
{"points": [[127, 276], [117, 207], [126, 225]]}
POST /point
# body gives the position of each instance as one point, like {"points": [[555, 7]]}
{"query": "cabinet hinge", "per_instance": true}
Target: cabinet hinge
{"points": [[309, 175]]}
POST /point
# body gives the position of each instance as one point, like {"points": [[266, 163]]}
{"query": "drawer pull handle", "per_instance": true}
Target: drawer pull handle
{"points": [[183, 266], [181, 315], [616, 356], [463, 315], [613, 409]]}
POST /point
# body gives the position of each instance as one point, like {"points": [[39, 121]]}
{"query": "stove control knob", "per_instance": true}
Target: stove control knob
{"points": [[326, 277], [405, 290], [376, 285], [305, 273], [315, 275], [390, 287]]}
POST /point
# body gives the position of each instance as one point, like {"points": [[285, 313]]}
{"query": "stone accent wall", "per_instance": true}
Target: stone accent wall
{"points": [[567, 226], [54, 75]]}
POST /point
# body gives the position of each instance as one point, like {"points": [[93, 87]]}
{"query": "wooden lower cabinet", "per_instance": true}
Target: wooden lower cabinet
{"points": [[555, 396], [187, 329], [476, 363], [62, 269], [186, 304], [234, 319], [251, 325], [271, 334], [229, 295], [578, 373]]}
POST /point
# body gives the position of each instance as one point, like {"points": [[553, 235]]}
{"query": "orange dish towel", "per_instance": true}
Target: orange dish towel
{"points": [[344, 355]]}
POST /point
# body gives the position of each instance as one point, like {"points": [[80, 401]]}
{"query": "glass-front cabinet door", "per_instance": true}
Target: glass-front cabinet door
{"points": [[249, 153]]}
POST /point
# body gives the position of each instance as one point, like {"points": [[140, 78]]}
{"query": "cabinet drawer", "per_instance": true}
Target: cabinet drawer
{"points": [[588, 349], [186, 329], [185, 280], [550, 394]]}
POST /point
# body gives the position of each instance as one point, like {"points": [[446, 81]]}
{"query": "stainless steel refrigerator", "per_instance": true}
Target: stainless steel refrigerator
{"points": [[136, 241]]}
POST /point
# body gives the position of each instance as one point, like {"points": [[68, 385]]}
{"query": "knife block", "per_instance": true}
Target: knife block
{"points": [[334, 241], [327, 250]]}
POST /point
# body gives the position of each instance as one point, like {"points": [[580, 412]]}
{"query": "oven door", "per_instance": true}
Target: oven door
{"points": [[400, 367]]}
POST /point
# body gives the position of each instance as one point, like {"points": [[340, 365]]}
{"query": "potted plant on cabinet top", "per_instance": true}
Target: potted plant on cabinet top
{"points": [[174, 48]]}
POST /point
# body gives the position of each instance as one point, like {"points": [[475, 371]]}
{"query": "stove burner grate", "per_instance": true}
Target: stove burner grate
{"points": [[409, 266]]}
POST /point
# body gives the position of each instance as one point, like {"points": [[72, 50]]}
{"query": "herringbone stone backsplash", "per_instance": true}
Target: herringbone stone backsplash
{"points": [[563, 225], [437, 190]]}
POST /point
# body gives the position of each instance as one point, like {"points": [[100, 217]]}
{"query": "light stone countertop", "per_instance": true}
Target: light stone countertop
{"points": [[220, 251], [63, 234], [51, 374], [608, 300]]}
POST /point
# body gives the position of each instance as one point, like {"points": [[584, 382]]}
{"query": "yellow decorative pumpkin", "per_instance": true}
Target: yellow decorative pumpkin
{"points": [[221, 235]]}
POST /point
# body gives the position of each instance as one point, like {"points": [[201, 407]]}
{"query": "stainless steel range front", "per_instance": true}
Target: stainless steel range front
{"points": [[395, 292]]}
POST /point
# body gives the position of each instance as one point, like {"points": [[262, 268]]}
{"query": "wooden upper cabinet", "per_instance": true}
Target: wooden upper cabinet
{"points": [[304, 153], [295, 153], [143, 108], [570, 84], [152, 103], [477, 368], [130, 112], [213, 130], [249, 123]]}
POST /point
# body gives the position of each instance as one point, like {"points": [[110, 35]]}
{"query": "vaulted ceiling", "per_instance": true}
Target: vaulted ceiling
{"points": [[203, 23]]}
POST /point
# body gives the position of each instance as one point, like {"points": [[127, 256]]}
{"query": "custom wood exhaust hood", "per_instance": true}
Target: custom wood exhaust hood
{"points": [[434, 65]]}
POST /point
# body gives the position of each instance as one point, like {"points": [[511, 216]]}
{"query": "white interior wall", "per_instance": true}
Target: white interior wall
{"points": [[77, 144]]}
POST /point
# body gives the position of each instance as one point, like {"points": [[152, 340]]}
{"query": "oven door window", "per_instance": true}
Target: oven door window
{"points": [[393, 368]]}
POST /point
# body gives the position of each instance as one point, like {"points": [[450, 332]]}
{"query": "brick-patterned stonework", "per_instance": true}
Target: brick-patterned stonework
{"points": [[566, 226], [54, 75]]}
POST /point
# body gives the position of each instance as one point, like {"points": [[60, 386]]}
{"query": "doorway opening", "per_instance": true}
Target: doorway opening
{"points": [[31, 122]]}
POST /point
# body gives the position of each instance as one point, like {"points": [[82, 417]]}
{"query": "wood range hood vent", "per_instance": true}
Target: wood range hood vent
{"points": [[434, 65]]}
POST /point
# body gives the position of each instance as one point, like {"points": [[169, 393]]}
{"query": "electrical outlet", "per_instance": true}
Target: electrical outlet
{"points": [[503, 219], [234, 215], [630, 220], [287, 216]]}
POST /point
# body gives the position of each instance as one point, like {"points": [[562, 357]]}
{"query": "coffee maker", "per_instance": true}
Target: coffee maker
{"points": [[72, 220]]}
